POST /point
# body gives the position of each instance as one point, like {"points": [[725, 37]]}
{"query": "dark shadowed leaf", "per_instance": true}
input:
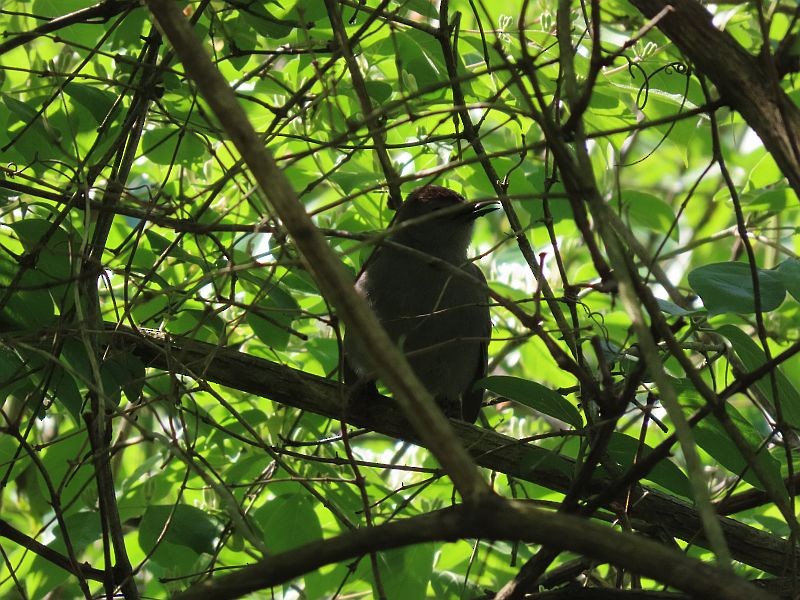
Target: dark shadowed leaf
{"points": [[533, 395], [728, 288], [712, 437], [789, 273], [180, 525], [623, 448], [752, 357]]}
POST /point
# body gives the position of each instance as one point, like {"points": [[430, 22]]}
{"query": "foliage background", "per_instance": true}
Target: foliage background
{"points": [[127, 215]]}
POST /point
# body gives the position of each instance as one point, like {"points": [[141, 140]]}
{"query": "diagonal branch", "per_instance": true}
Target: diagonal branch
{"points": [[745, 82], [491, 450], [98, 13]]}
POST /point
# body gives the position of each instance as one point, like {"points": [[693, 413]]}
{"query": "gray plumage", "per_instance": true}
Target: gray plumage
{"points": [[438, 319]]}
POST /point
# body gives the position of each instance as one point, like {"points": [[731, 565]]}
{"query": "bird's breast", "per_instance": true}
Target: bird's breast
{"points": [[438, 319]]}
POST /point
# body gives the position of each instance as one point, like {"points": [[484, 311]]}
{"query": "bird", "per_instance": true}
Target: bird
{"points": [[438, 319]]}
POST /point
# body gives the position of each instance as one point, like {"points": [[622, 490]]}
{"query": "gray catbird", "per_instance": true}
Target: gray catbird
{"points": [[438, 319]]}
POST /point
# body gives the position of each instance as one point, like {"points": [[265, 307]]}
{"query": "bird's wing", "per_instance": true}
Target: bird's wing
{"points": [[473, 398]]}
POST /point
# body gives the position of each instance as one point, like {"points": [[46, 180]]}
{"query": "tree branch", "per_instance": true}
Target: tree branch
{"points": [[740, 78], [491, 450], [492, 519]]}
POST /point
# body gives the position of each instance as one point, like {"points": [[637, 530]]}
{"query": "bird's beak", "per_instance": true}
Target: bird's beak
{"points": [[483, 208]]}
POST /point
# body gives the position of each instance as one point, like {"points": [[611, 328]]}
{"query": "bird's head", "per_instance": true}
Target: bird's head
{"points": [[439, 221]]}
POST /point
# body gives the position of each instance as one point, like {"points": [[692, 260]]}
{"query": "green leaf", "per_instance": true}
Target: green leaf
{"points": [[73, 355], [623, 448], [53, 247], [650, 212], [83, 527], [352, 181], [272, 317], [712, 437], [673, 309], [288, 521], [789, 273], [265, 23], [421, 57], [405, 572], [728, 288], [47, 280], [122, 372], [533, 395], [534, 179], [753, 357], [776, 526], [66, 384], [29, 309], [24, 112], [166, 146], [64, 465], [150, 312], [67, 392], [96, 101], [308, 12], [13, 462], [35, 140], [14, 372], [449, 584], [771, 200], [379, 91], [300, 281], [128, 31], [422, 7], [201, 325], [160, 244], [178, 525], [135, 372]]}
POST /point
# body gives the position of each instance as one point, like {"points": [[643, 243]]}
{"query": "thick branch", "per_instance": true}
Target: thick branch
{"points": [[79, 570], [99, 13], [489, 449], [742, 79], [496, 519]]}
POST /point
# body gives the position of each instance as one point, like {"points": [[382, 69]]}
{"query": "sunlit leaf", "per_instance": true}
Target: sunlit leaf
{"points": [[288, 521]]}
